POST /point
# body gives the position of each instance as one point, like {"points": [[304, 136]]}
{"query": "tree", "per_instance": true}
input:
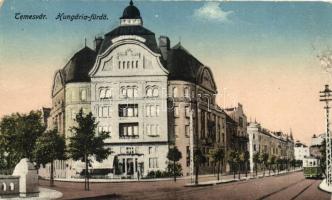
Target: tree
{"points": [[256, 160], [279, 163], [50, 146], [232, 160], [174, 155], [85, 143], [18, 135], [240, 161], [263, 160], [218, 156], [199, 158], [271, 161]]}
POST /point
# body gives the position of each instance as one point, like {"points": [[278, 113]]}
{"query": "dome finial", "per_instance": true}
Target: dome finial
{"points": [[131, 2]]}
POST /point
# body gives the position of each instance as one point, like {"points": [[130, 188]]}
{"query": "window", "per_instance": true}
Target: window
{"points": [[175, 92], [83, 95], [130, 150], [155, 92], [149, 92], [176, 111], [187, 111], [102, 93], [129, 92], [150, 150], [254, 147], [157, 110], [186, 92], [105, 93], [128, 110], [176, 131], [153, 162], [187, 131], [152, 110], [128, 130]]}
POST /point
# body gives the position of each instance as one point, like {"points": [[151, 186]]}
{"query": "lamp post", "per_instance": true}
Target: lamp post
{"points": [[326, 96]]}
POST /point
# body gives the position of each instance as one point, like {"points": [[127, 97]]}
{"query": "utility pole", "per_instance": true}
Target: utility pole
{"points": [[326, 96]]}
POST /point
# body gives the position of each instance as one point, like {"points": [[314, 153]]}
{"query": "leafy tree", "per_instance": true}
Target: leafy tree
{"points": [[171, 171], [279, 163], [263, 160], [174, 155], [218, 156], [256, 160], [271, 161], [232, 160], [18, 135], [85, 143], [50, 146], [199, 158]]}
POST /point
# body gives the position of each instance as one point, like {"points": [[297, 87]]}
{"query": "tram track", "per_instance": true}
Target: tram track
{"points": [[280, 190]]}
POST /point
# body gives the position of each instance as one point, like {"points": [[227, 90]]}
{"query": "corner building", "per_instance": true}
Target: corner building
{"points": [[129, 83]]}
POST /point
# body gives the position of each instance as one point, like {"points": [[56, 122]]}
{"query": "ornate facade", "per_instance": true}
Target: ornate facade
{"points": [[141, 93]]}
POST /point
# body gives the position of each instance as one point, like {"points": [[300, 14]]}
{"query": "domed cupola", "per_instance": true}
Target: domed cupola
{"points": [[131, 16]]}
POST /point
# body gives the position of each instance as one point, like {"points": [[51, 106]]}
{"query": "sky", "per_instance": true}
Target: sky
{"points": [[265, 55]]}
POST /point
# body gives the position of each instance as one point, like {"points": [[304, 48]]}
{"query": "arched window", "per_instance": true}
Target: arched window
{"points": [[12, 186], [108, 93], [123, 64], [175, 92], [155, 92], [102, 93], [149, 92], [132, 64], [128, 63], [4, 187], [119, 65], [136, 64]]}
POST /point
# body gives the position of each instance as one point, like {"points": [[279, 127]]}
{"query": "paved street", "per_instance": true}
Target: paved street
{"points": [[282, 187]]}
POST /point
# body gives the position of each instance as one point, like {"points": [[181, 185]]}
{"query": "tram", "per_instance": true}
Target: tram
{"points": [[311, 168]]}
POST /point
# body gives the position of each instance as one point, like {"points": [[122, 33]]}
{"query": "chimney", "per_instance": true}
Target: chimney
{"points": [[98, 41], [164, 46]]}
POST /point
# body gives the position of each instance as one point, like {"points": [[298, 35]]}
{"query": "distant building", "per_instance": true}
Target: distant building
{"points": [[237, 129], [301, 151], [273, 143], [317, 140]]}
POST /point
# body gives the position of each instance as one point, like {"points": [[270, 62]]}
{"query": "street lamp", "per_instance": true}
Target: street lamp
{"points": [[326, 96]]}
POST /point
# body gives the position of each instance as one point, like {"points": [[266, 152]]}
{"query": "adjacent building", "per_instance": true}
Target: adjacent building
{"points": [[262, 140], [301, 151]]}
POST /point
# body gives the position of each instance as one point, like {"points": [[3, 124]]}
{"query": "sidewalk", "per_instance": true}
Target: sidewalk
{"points": [[207, 179], [230, 178]]}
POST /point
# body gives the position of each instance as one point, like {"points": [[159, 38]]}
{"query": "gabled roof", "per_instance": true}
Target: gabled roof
{"points": [[182, 65], [78, 67]]}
